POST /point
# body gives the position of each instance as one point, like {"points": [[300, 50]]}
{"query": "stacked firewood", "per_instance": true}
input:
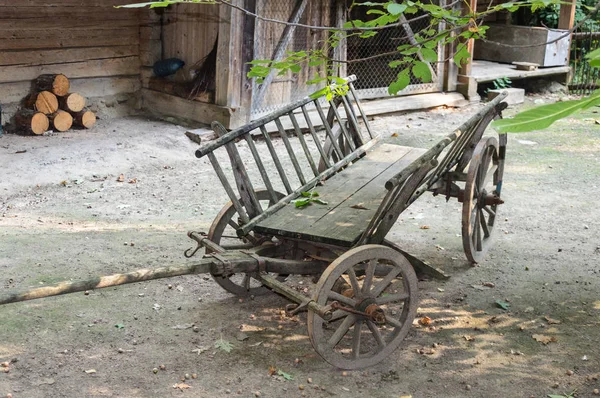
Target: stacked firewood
{"points": [[52, 106]]}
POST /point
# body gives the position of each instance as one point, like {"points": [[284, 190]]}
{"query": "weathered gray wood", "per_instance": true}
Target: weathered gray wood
{"points": [[242, 179], [290, 150], [420, 266], [358, 139], [300, 136], [328, 126], [360, 109], [360, 185], [349, 140], [311, 128], [261, 168], [232, 196], [238, 132], [309, 185], [280, 170]]}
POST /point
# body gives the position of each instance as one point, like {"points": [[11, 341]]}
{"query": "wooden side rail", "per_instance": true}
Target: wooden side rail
{"points": [[295, 164], [453, 152]]}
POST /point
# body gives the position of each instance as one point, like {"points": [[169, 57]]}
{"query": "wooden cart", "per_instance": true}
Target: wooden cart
{"points": [[366, 298]]}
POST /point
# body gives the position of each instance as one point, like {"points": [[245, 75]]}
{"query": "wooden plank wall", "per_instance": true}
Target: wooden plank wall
{"points": [[190, 32], [91, 42]]}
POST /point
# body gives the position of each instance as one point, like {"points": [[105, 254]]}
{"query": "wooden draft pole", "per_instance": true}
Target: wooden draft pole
{"points": [[280, 49]]}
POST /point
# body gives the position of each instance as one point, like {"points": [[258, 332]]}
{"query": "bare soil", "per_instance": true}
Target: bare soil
{"points": [[64, 215]]}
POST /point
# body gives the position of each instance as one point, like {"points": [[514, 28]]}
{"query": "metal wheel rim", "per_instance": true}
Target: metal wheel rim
{"points": [[370, 343], [215, 234], [478, 219]]}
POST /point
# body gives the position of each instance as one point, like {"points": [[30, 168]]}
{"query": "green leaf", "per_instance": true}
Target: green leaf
{"points": [[301, 202], [502, 304], [396, 9], [286, 376], [429, 55], [120, 326], [319, 201], [594, 58], [402, 81], [543, 116], [421, 71], [462, 57], [223, 345]]}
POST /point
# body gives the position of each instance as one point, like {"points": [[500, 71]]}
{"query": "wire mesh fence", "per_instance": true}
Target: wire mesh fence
{"points": [[366, 57], [585, 79]]}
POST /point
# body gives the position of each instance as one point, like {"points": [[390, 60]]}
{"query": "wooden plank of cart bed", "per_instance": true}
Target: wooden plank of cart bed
{"points": [[337, 222]]}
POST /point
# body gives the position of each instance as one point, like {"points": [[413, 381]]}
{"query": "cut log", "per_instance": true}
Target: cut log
{"points": [[57, 84], [72, 102], [46, 102], [61, 120], [85, 119], [31, 121]]}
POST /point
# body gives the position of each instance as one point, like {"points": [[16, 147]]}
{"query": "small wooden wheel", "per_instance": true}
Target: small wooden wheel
{"points": [[482, 198], [223, 232], [374, 289]]}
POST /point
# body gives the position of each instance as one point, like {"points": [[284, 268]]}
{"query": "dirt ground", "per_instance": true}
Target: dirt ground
{"points": [[64, 215]]}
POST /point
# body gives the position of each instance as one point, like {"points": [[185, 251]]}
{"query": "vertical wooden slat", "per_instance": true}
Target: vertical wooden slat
{"points": [[300, 136], [340, 53], [311, 128], [353, 120], [236, 203], [242, 179], [333, 140], [345, 133], [273, 152], [360, 109], [261, 168], [290, 150]]}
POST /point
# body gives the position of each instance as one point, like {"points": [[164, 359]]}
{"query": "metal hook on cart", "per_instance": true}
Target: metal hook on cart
{"points": [[194, 235]]}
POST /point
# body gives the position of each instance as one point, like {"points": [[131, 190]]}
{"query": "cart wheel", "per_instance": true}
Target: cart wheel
{"points": [[386, 289], [481, 198], [223, 232]]}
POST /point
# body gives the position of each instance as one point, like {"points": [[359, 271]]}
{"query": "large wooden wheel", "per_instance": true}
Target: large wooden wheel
{"points": [[223, 232], [482, 198], [374, 289]]}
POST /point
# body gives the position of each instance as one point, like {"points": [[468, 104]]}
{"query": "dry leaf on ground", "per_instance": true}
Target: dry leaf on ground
{"points": [[425, 321], [552, 321], [424, 227], [181, 386], [121, 178], [544, 339]]}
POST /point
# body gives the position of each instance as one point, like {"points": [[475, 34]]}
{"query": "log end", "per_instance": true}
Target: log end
{"points": [[60, 86], [39, 123], [62, 121]]}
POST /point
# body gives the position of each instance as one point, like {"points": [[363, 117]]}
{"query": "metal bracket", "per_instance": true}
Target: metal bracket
{"points": [[227, 267], [262, 264], [293, 309], [194, 235]]}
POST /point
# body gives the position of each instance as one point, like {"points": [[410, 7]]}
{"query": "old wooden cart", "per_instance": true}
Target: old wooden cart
{"points": [[366, 297]]}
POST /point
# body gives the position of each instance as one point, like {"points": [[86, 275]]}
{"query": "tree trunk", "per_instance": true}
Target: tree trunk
{"points": [[61, 120], [85, 119], [57, 84], [72, 102], [46, 102], [31, 121]]}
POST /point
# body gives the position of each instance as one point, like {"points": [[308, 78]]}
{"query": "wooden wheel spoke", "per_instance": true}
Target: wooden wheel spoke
{"points": [[370, 272], [489, 211], [246, 281], [394, 322], [356, 339], [342, 299], [338, 314], [477, 233], [391, 298], [376, 334], [380, 287], [484, 225], [233, 224], [341, 331], [354, 282]]}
